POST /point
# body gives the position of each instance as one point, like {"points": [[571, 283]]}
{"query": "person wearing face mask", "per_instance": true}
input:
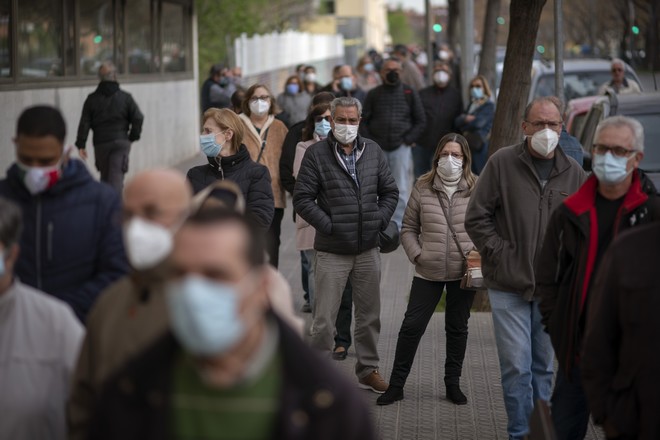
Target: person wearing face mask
{"points": [[394, 118], [616, 197], [317, 129], [40, 339], [228, 158], [476, 122], [264, 139], [442, 104], [310, 81], [71, 246], [506, 218], [345, 84], [295, 101], [346, 192], [367, 75], [131, 313], [226, 347], [410, 73], [438, 200]]}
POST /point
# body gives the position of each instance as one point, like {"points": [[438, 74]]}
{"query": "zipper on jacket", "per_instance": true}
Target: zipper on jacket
{"points": [[49, 245], [38, 243]]}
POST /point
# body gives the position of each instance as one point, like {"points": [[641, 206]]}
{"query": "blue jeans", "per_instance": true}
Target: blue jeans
{"points": [[570, 411], [400, 161], [526, 357]]}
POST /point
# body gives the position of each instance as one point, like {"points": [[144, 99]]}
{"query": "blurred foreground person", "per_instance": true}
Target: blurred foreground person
{"points": [[227, 352], [39, 342], [131, 313], [620, 358], [71, 245]]}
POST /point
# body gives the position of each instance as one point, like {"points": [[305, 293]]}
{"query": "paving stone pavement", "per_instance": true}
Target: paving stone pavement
{"points": [[424, 413]]}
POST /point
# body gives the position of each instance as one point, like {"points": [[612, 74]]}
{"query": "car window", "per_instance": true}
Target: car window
{"points": [[651, 124], [594, 116], [576, 84], [578, 123]]}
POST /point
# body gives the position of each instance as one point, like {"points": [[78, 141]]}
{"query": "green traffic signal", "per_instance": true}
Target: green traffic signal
{"points": [[540, 49], [437, 27], [635, 30]]}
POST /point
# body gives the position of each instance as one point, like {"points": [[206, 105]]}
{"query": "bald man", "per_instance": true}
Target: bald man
{"points": [[131, 313]]}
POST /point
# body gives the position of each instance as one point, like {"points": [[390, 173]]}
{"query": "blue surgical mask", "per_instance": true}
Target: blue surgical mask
{"points": [[476, 92], [204, 315], [610, 169], [209, 146], [346, 83], [369, 67], [322, 128], [3, 268], [292, 88]]}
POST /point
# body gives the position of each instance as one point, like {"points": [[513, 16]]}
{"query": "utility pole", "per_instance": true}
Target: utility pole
{"points": [[467, 46], [429, 41], [559, 51]]}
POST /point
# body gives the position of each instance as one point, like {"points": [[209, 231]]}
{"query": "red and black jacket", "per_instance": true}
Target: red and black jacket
{"points": [[565, 266]]}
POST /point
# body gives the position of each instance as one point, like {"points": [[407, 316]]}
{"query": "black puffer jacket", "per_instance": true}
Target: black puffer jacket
{"points": [[111, 113], [347, 218], [393, 115], [251, 177]]}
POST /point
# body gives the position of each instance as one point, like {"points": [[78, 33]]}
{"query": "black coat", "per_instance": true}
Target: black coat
{"points": [[251, 177], [347, 218], [316, 401], [567, 258], [393, 115], [441, 108], [620, 357], [111, 113]]}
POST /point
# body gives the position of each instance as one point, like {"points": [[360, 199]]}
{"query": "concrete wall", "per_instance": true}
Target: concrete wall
{"points": [[169, 135]]}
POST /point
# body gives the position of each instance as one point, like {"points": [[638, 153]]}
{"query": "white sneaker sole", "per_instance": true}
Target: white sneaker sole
{"points": [[369, 387]]}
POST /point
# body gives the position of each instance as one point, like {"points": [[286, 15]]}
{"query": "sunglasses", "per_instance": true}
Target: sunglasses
{"points": [[322, 118]]}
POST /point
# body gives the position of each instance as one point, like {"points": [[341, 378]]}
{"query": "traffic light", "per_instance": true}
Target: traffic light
{"points": [[437, 27], [540, 49], [635, 30], [500, 20]]}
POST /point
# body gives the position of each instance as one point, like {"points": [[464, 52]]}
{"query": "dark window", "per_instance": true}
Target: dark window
{"points": [[139, 36], [5, 38], [40, 38], [173, 28], [96, 34]]}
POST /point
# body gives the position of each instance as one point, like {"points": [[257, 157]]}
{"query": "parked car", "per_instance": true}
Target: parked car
{"points": [[575, 114], [582, 77], [644, 107]]}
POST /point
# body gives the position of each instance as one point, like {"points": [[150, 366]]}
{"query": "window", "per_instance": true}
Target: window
{"points": [[96, 34], [39, 38], [139, 36], [5, 38], [173, 28]]}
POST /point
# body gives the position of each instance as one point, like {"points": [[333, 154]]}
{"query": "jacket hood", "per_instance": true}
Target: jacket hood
{"points": [[231, 161], [585, 197], [74, 173], [108, 88]]}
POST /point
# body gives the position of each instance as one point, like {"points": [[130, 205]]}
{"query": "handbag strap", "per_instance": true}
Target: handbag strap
{"points": [[451, 228], [263, 145]]}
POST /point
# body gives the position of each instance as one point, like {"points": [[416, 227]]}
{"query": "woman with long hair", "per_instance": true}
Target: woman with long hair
{"points": [[431, 233], [477, 121]]}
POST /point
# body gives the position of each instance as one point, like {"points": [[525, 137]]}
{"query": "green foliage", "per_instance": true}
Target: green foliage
{"points": [[400, 28]]}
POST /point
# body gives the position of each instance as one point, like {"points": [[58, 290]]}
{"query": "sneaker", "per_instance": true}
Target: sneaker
{"points": [[374, 383], [455, 394], [306, 308], [391, 395]]}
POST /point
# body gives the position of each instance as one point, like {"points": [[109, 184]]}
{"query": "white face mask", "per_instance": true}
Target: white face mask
{"points": [[147, 243], [259, 107], [345, 134], [449, 167], [441, 77], [310, 77], [545, 141]]}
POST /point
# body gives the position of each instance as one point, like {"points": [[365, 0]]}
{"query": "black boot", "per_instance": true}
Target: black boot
{"points": [[390, 396], [455, 394]]}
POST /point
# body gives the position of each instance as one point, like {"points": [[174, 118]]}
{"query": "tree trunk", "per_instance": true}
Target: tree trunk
{"points": [[488, 58], [452, 23], [516, 78]]}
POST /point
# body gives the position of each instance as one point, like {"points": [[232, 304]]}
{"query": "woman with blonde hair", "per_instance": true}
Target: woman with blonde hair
{"points": [[228, 158], [434, 238], [264, 137]]}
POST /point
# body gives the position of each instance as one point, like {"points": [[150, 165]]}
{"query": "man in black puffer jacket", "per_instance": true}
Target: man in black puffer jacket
{"points": [[116, 121], [346, 192]]}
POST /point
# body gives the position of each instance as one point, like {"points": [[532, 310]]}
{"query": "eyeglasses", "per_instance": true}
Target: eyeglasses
{"points": [[263, 98], [322, 118], [555, 125], [346, 121], [617, 69], [614, 149], [447, 154]]}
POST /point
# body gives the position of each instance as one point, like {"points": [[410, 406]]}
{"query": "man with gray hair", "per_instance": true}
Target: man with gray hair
{"points": [[619, 83], [39, 342], [116, 121], [346, 192], [616, 197]]}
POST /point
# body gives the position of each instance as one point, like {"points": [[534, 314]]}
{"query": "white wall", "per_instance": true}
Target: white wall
{"points": [[169, 134]]}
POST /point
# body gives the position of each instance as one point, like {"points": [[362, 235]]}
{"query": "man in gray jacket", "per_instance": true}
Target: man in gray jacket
{"points": [[506, 219]]}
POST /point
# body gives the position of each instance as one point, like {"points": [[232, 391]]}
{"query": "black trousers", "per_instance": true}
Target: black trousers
{"points": [[344, 318], [273, 238], [112, 162], [424, 297]]}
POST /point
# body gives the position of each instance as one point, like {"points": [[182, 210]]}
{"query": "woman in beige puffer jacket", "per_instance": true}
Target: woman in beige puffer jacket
{"points": [[439, 262]]}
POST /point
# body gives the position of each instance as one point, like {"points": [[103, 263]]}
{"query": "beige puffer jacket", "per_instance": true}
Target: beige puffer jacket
{"points": [[427, 239]]}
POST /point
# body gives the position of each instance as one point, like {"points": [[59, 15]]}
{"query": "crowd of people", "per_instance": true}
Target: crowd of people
{"points": [[156, 310]]}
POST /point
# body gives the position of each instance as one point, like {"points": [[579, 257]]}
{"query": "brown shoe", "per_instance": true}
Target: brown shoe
{"points": [[374, 383]]}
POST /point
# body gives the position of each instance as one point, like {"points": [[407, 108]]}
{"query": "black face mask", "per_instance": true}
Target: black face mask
{"points": [[224, 81], [392, 77]]}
